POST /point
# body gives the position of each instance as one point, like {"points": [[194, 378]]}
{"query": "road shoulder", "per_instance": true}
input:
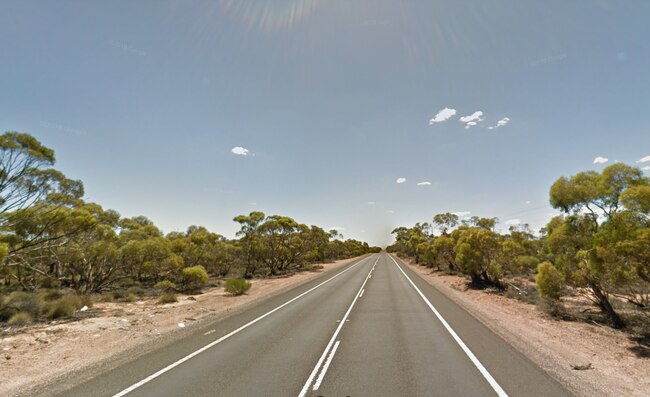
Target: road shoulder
{"points": [[555, 346], [53, 356]]}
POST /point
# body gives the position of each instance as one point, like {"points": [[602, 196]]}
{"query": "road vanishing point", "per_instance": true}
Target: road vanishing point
{"points": [[370, 328]]}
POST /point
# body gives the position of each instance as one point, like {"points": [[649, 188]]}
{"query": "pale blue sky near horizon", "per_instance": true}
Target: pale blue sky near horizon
{"points": [[331, 102]]}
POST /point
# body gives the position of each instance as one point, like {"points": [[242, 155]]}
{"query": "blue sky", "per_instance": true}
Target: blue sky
{"points": [[331, 100]]}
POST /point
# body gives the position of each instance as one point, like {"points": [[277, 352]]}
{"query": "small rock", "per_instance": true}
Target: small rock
{"points": [[83, 309], [581, 367], [181, 325], [191, 298]]}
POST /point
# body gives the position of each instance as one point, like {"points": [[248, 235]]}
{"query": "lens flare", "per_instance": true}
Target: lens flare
{"points": [[270, 15]]}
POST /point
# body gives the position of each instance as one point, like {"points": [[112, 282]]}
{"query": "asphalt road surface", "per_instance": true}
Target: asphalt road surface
{"points": [[371, 328]]}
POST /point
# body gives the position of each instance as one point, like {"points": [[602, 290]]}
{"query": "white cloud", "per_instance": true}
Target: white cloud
{"points": [[390, 212], [647, 168], [400, 180], [443, 115], [372, 202], [470, 124], [461, 214], [253, 204], [644, 160], [527, 201], [425, 183], [500, 123], [600, 160], [513, 222], [239, 151], [476, 116]]}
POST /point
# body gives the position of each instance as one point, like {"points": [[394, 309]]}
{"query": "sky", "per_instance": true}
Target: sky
{"points": [[358, 115]]}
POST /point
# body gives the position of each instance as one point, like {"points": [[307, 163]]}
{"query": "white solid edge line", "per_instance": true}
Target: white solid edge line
{"points": [[326, 366], [305, 388], [497, 388], [362, 291], [211, 344]]}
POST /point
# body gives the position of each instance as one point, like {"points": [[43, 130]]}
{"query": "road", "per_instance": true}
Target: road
{"points": [[372, 328]]}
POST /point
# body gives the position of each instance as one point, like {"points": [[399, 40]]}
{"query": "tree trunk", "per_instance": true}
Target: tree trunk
{"points": [[606, 306]]}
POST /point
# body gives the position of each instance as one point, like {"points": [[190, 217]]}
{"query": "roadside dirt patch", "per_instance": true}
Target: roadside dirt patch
{"points": [[590, 360], [37, 354]]}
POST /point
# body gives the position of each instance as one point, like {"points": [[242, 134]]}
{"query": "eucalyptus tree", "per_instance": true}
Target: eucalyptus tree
{"points": [[250, 241], [445, 222], [30, 190], [89, 259], [200, 247], [606, 215], [477, 251], [284, 243]]}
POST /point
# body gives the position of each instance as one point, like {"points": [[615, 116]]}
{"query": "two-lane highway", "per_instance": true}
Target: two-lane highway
{"points": [[373, 328]]}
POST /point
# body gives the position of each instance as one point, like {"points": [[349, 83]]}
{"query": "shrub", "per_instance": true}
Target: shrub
{"points": [[50, 283], [20, 302], [135, 290], [554, 308], [165, 286], [130, 298], [86, 300], [194, 277], [20, 318], [168, 297], [526, 263], [237, 286], [549, 281], [4, 250], [63, 307], [52, 295], [107, 298]]}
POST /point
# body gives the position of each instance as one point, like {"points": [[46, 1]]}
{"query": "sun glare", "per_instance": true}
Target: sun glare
{"points": [[270, 15]]}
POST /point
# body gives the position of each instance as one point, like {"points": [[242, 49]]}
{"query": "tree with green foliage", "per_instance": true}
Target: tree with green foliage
{"points": [[476, 252], [89, 258], [283, 243], [483, 223], [549, 281], [445, 222], [150, 260], [193, 278], [584, 243], [408, 239], [32, 194], [249, 240]]}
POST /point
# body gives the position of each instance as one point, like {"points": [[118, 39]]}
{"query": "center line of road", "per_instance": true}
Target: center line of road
{"points": [[305, 388], [497, 388], [211, 344], [326, 366]]}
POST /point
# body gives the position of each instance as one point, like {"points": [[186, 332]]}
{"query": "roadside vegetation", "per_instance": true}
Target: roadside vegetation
{"points": [[591, 263], [57, 250]]}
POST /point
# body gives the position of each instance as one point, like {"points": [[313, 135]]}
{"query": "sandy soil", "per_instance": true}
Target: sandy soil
{"points": [[35, 355], [556, 346]]}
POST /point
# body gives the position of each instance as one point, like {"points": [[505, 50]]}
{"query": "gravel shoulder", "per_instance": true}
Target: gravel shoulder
{"points": [[110, 333], [556, 346]]}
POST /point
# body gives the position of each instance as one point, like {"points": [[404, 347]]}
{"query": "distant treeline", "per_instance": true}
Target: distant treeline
{"points": [[51, 238], [599, 247]]}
